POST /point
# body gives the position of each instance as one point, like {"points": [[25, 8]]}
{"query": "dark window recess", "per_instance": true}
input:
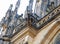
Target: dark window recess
{"points": [[52, 3], [28, 16], [44, 20], [57, 10], [22, 25], [37, 0], [31, 20], [26, 43], [39, 23], [48, 17], [53, 14]]}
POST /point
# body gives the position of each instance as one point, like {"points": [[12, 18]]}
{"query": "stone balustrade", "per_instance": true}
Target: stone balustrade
{"points": [[47, 18]]}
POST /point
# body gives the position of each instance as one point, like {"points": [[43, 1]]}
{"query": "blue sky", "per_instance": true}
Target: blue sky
{"points": [[4, 5]]}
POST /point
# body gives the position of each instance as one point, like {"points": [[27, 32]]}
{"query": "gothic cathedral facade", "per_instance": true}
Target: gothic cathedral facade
{"points": [[39, 27]]}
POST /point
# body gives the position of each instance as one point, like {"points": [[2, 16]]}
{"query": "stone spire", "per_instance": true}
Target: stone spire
{"points": [[12, 23], [5, 21], [28, 11], [30, 6], [9, 11], [44, 7], [15, 12], [40, 8], [17, 5], [7, 18]]}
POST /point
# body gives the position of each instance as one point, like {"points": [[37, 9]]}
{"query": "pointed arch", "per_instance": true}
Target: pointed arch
{"points": [[52, 33]]}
